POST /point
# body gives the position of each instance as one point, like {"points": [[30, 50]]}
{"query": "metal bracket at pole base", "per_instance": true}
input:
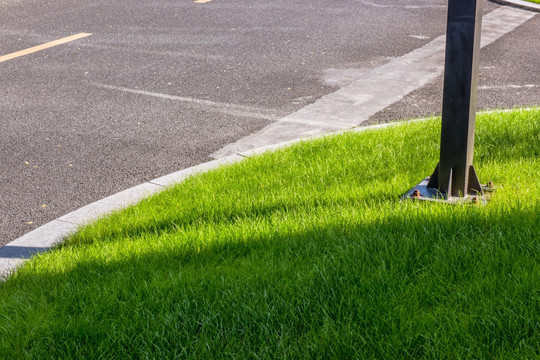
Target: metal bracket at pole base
{"points": [[429, 190], [471, 186]]}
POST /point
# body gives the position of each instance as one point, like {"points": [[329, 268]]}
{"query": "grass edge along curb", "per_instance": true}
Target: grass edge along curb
{"points": [[53, 233], [45, 237]]}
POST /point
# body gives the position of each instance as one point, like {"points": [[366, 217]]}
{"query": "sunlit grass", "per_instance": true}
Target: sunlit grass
{"points": [[307, 252]]}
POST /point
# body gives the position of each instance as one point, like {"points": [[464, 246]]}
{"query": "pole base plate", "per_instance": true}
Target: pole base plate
{"points": [[422, 192]]}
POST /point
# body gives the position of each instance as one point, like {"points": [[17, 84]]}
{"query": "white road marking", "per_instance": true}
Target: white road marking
{"points": [[377, 89], [43, 47], [223, 108], [505, 87], [421, 37], [370, 3]]}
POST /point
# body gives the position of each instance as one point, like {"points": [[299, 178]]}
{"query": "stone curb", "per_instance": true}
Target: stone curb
{"points": [[42, 239], [53, 233], [526, 5]]}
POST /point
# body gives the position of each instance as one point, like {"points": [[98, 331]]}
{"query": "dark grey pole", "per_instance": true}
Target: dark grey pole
{"points": [[455, 174]]}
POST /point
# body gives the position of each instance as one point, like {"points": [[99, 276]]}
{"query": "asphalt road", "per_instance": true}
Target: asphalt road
{"points": [[161, 85]]}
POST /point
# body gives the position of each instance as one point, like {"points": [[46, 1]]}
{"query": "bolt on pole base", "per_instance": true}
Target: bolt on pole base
{"points": [[424, 192]]}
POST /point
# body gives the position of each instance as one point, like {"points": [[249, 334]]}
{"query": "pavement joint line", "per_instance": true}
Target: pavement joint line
{"points": [[315, 122], [377, 89], [67, 222], [37, 48], [152, 182], [54, 232]]}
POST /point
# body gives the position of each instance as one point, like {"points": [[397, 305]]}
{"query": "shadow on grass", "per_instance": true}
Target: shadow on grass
{"points": [[437, 285], [20, 252]]}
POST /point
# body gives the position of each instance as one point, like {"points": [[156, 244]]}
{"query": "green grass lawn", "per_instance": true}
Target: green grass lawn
{"points": [[307, 252], [534, 1]]}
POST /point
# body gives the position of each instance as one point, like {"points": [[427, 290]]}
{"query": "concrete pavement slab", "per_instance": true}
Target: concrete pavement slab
{"points": [[376, 90]]}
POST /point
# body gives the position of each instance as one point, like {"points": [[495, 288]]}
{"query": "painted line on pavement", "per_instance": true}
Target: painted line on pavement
{"points": [[224, 108], [43, 46], [377, 89], [506, 87], [370, 3]]}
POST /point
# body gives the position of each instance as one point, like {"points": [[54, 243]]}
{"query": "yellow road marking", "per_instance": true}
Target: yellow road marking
{"points": [[43, 46], [201, 1]]}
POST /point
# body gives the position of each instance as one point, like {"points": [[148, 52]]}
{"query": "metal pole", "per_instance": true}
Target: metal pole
{"points": [[455, 175]]}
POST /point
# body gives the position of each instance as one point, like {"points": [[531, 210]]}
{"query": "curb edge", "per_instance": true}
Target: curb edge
{"points": [[45, 237]]}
